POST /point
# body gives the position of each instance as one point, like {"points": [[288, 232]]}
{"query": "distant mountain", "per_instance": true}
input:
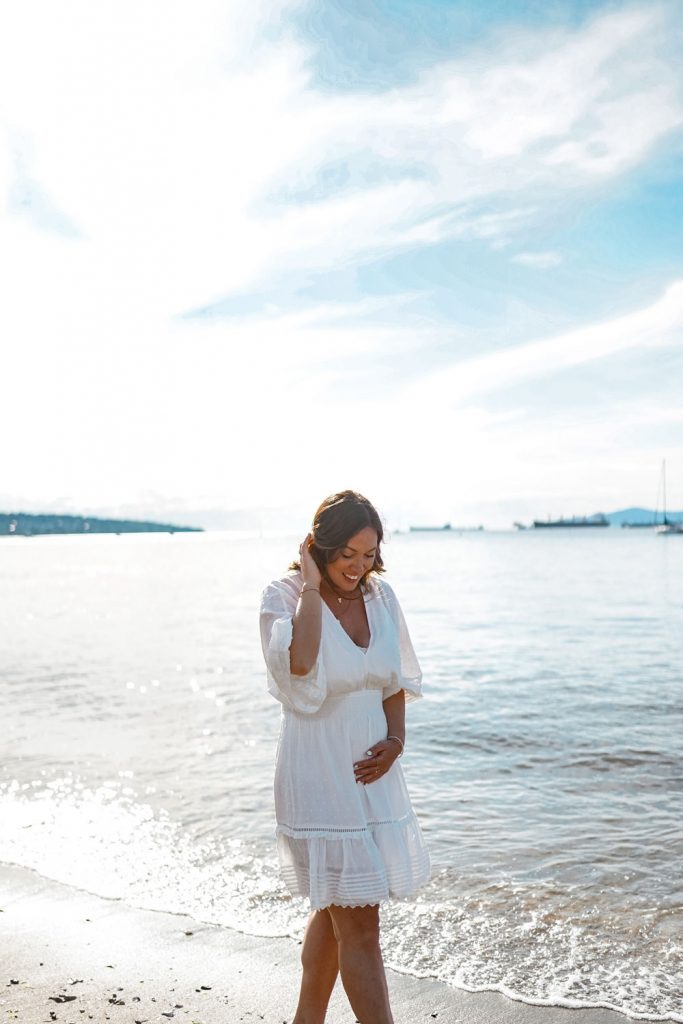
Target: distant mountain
{"points": [[24, 524], [640, 515]]}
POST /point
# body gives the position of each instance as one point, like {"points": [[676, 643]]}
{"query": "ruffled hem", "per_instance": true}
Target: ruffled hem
{"points": [[354, 867]]}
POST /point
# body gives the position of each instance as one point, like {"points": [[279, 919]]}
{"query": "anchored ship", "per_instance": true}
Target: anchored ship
{"points": [[446, 526], [573, 521]]}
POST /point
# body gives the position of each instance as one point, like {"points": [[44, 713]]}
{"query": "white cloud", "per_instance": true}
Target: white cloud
{"points": [[254, 413], [163, 132], [538, 114], [538, 260], [153, 134], [158, 137], [656, 325], [457, 449]]}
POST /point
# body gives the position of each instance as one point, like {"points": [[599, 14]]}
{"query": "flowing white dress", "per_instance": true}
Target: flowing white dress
{"points": [[341, 842]]}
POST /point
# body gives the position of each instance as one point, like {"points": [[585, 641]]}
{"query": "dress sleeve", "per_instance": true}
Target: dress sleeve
{"points": [[409, 677], [306, 693]]}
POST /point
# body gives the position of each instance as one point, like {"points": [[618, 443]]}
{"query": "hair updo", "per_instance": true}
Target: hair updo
{"points": [[339, 518]]}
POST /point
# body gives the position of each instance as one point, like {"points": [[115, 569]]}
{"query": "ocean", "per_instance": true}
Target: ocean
{"points": [[545, 761]]}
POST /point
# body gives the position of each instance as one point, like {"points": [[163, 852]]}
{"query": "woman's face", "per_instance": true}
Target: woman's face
{"points": [[355, 559]]}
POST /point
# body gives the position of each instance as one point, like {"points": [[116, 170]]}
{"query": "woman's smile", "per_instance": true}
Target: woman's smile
{"points": [[354, 560]]}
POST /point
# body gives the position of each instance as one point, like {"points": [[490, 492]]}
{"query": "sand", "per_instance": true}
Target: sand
{"points": [[69, 956]]}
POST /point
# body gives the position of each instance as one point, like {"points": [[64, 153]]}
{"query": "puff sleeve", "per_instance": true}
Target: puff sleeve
{"points": [[409, 674], [304, 694]]}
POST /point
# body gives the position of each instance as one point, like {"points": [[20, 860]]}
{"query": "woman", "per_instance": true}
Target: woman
{"points": [[341, 663]]}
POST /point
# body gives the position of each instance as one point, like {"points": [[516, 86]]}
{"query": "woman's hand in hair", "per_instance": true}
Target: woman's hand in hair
{"points": [[309, 570]]}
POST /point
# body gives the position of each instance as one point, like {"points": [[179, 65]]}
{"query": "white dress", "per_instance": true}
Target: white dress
{"points": [[341, 842]]}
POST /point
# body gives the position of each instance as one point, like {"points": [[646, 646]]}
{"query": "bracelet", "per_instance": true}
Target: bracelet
{"points": [[305, 590], [398, 741]]}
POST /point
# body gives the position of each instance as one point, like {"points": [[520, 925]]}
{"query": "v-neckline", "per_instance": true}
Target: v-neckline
{"points": [[363, 650]]}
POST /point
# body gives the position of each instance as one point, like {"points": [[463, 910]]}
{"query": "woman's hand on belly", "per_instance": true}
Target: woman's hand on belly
{"points": [[380, 757]]}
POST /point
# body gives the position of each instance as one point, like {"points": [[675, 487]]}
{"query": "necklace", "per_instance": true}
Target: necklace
{"points": [[349, 600]]}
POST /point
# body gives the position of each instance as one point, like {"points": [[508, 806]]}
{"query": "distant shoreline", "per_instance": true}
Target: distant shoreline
{"points": [[29, 524], [25, 524]]}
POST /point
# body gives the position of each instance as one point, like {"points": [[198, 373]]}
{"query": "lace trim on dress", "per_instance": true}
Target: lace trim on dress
{"points": [[313, 832], [338, 903]]}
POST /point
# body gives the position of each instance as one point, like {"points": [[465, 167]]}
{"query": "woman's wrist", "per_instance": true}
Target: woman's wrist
{"points": [[399, 741]]}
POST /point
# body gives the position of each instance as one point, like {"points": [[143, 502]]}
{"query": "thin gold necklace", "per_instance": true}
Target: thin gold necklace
{"points": [[344, 597]]}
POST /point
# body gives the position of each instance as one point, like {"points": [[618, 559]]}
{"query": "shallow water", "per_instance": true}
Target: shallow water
{"points": [[546, 762]]}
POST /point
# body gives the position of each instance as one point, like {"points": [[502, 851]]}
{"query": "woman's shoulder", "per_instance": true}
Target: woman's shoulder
{"points": [[288, 586], [380, 589]]}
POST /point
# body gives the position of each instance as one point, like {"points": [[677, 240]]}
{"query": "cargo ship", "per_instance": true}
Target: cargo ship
{"points": [[446, 526], [572, 521]]}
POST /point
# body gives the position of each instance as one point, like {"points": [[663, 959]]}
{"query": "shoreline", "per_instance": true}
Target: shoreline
{"points": [[69, 955]]}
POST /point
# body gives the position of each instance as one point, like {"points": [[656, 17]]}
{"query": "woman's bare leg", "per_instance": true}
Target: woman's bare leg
{"points": [[361, 964], [319, 958]]}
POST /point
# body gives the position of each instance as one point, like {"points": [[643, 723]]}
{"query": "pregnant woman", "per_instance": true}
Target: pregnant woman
{"points": [[341, 663]]}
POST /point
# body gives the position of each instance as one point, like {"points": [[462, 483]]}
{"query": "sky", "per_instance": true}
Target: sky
{"points": [[255, 254]]}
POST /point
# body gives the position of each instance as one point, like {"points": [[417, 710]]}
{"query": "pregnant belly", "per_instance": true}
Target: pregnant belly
{"points": [[316, 753]]}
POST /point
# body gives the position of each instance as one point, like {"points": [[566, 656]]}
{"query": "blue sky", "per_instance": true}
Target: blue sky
{"points": [[361, 46], [255, 254]]}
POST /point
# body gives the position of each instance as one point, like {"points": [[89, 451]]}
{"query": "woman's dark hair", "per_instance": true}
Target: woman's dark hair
{"points": [[339, 518]]}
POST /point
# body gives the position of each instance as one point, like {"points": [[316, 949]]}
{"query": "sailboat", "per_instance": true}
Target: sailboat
{"points": [[666, 526]]}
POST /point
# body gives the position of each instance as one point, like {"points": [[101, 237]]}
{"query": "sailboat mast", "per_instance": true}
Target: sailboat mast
{"points": [[664, 520]]}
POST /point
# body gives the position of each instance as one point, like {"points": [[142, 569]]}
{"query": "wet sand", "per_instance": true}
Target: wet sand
{"points": [[69, 956]]}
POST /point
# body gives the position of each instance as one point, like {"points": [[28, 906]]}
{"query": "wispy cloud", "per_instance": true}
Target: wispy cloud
{"points": [[658, 325], [538, 260], [544, 114], [26, 197], [168, 151], [156, 161]]}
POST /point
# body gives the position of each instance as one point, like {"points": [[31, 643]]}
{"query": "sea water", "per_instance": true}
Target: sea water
{"points": [[545, 761]]}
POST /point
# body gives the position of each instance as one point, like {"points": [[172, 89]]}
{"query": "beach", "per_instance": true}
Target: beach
{"points": [[70, 956], [140, 740]]}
